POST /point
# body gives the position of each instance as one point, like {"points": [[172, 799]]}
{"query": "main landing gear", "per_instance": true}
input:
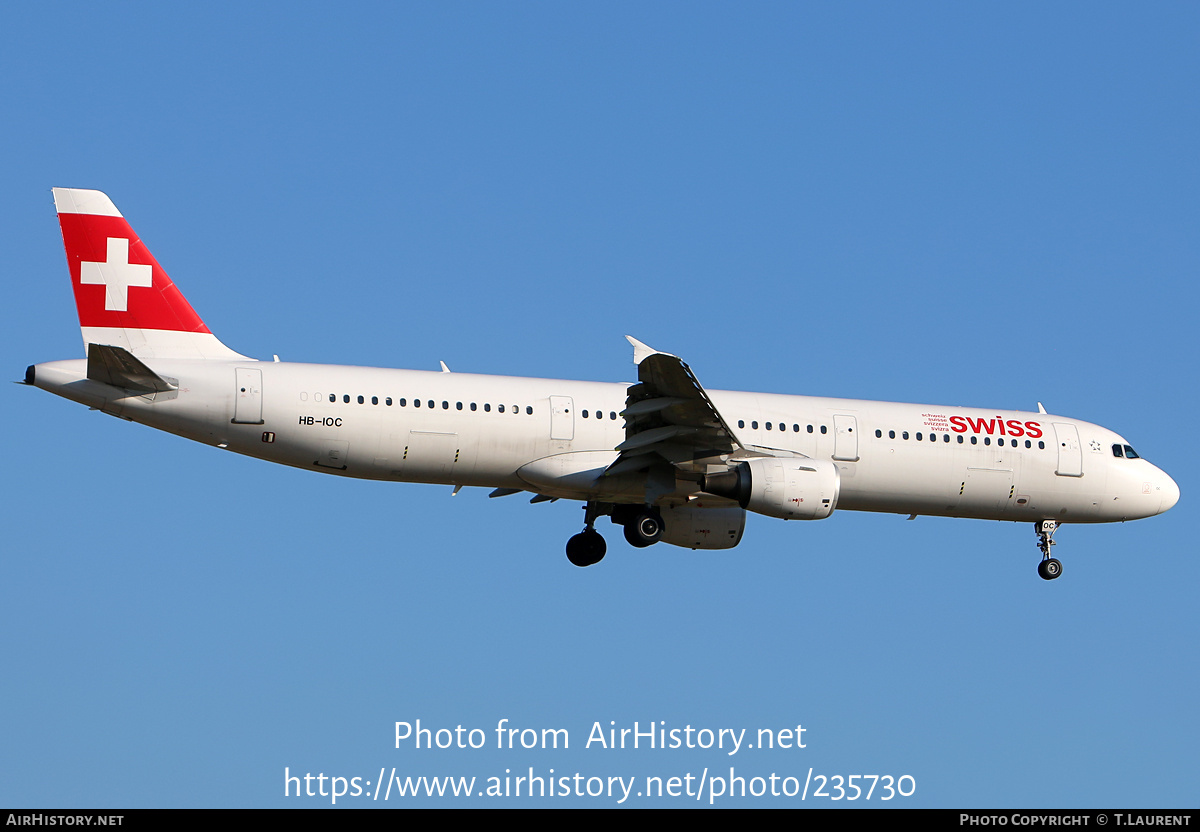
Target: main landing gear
{"points": [[1050, 568], [587, 547], [643, 527], [643, 524]]}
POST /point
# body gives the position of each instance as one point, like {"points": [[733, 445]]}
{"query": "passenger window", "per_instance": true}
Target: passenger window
{"points": [[430, 403], [585, 413], [487, 408], [795, 428], [974, 440], [499, 408], [945, 437], [333, 397], [529, 410], [754, 425], [360, 400], [810, 428], [905, 434], [878, 434], [404, 402], [891, 434], [987, 440], [388, 401], [822, 429], [768, 425], [346, 399], [416, 402], [1028, 444], [472, 407], [960, 439], [741, 423], [374, 400], [1041, 445], [919, 437], [458, 405]]}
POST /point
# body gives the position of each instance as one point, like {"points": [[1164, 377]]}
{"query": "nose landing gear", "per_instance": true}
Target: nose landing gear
{"points": [[1050, 568]]}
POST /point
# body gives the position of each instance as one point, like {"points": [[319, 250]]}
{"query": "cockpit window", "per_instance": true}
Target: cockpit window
{"points": [[1124, 451], [1117, 452], [1130, 453]]}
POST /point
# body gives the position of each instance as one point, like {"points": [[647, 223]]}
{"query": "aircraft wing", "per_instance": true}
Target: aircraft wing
{"points": [[669, 417]]}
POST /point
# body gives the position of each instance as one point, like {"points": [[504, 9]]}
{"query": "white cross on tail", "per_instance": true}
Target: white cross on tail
{"points": [[116, 275]]}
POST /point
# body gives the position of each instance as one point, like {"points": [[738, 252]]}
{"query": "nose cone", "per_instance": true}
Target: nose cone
{"points": [[1170, 494]]}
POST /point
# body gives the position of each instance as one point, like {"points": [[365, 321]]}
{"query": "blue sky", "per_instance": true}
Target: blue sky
{"points": [[987, 205]]}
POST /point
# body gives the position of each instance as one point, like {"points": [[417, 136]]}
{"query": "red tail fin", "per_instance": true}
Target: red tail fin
{"points": [[123, 296]]}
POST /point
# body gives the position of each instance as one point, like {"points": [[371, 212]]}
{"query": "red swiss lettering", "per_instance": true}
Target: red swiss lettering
{"points": [[1012, 427], [980, 426]]}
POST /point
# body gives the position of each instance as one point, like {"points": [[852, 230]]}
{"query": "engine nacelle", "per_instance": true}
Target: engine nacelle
{"points": [[703, 528], [794, 489]]}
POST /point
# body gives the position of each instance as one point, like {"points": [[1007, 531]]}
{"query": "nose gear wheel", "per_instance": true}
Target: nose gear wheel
{"points": [[1050, 568]]}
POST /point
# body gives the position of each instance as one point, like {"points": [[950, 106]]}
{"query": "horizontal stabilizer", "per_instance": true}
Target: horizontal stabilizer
{"points": [[118, 367]]}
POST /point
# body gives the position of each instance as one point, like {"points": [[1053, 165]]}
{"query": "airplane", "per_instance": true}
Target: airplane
{"points": [[664, 458]]}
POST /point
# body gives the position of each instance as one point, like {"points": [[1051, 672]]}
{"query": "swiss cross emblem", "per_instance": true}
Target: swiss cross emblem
{"points": [[116, 274]]}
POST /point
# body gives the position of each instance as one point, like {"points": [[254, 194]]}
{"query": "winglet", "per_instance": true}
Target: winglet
{"points": [[641, 351], [1040, 408]]}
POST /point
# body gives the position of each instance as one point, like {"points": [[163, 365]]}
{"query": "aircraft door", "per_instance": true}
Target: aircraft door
{"points": [[247, 403], [845, 438], [562, 417], [1070, 454]]}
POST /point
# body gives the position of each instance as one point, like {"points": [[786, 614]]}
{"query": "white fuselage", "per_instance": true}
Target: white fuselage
{"points": [[555, 437]]}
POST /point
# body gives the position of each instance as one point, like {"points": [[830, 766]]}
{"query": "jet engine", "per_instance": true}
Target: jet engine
{"points": [[794, 489], [702, 528]]}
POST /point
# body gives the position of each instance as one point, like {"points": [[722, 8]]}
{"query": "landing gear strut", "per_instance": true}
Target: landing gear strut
{"points": [[587, 547], [1050, 568]]}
